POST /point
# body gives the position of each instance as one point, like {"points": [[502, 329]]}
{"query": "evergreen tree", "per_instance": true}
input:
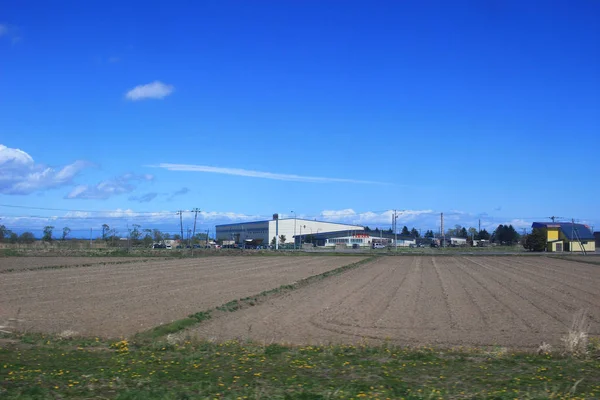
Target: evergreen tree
{"points": [[536, 240]]}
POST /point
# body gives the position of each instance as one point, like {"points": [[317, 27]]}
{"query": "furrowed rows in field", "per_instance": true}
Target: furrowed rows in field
{"points": [[14, 264], [447, 301], [119, 300]]}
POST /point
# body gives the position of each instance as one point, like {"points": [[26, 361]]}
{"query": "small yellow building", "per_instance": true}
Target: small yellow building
{"points": [[567, 236]]}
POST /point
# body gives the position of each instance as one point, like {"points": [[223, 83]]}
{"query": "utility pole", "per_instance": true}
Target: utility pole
{"points": [[91, 238], [195, 210], [395, 231], [276, 231], [180, 212], [294, 229], [442, 229], [479, 226], [207, 231]]}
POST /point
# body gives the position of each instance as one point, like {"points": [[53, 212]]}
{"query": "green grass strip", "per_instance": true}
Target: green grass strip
{"points": [[43, 367]]}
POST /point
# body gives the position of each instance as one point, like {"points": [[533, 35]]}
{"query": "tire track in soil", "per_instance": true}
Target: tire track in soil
{"points": [[571, 269], [451, 316], [495, 296], [62, 278], [471, 295], [431, 312], [568, 308], [136, 308], [558, 285], [63, 285], [301, 316], [552, 315], [563, 282], [350, 304]]}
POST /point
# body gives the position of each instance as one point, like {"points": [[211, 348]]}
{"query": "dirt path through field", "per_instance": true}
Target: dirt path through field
{"points": [[119, 300], [444, 301]]}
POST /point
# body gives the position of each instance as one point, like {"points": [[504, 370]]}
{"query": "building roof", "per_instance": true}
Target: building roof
{"points": [[570, 230]]}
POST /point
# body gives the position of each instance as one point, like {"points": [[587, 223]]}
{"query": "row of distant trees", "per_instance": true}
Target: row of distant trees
{"points": [[8, 236], [136, 235], [503, 234]]}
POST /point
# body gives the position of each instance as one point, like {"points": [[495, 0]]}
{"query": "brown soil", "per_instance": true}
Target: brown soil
{"points": [[117, 300], [515, 302], [13, 264]]}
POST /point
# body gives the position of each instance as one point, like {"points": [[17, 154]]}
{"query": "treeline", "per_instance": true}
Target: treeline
{"points": [[8, 236], [136, 236], [503, 234]]}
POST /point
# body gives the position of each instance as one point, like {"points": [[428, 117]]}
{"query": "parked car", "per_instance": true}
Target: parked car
{"points": [[378, 246]]}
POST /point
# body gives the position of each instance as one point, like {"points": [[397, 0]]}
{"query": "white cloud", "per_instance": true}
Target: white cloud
{"points": [[19, 174], [258, 174], [382, 218], [168, 221], [105, 189], [154, 90]]}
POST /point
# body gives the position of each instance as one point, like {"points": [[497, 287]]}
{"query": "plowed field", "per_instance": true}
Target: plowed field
{"points": [[121, 299], [516, 302], [27, 263]]}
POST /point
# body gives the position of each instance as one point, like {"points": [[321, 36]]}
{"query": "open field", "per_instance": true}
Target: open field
{"points": [[122, 299], [10, 264], [517, 302]]}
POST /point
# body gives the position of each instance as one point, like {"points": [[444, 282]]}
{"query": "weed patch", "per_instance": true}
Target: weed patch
{"points": [[84, 368]]}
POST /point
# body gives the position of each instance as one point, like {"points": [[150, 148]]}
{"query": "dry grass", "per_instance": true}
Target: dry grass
{"points": [[576, 341]]}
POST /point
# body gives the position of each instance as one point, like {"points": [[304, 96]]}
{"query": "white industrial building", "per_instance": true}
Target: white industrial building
{"points": [[263, 232]]}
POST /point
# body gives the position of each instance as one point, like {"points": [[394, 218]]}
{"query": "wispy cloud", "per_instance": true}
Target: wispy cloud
{"points": [[113, 59], [180, 192], [259, 174], [20, 174], [105, 189], [11, 32], [145, 198], [154, 90]]}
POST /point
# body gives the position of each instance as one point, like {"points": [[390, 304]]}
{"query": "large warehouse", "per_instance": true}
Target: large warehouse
{"points": [[263, 232]]}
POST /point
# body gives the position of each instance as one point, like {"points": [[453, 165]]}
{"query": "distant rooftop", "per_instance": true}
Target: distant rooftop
{"points": [[570, 230]]}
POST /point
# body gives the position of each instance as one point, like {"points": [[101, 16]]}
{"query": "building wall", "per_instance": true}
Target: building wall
{"points": [[556, 246], [265, 230], [589, 246], [552, 234], [247, 230], [304, 226]]}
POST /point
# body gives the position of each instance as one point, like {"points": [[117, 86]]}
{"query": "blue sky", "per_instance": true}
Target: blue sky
{"points": [[336, 110]]}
